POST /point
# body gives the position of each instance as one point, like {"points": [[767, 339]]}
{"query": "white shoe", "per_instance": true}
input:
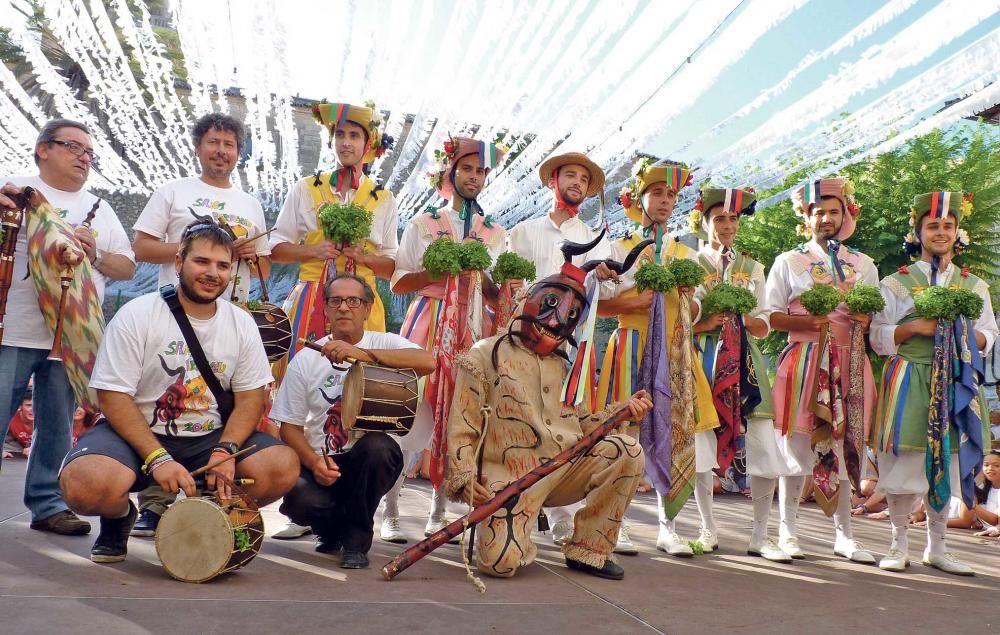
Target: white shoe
{"points": [[947, 563], [668, 540], [769, 550], [624, 545], [291, 531], [853, 551], [562, 533], [895, 560], [709, 542], [391, 532], [436, 523], [791, 546]]}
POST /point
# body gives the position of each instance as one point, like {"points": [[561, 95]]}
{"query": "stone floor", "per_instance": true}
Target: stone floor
{"points": [[48, 585]]}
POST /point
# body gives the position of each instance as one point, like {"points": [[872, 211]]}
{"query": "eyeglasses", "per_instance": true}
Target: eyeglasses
{"points": [[78, 150], [352, 302]]}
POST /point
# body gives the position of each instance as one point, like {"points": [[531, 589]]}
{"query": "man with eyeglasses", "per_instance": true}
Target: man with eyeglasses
{"points": [[64, 154], [343, 476]]}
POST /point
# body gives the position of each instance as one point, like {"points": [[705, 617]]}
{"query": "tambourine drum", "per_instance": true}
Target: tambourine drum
{"points": [[379, 399], [275, 330], [198, 539]]}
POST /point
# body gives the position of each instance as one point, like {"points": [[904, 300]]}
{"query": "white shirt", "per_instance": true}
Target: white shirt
{"points": [[883, 329], [785, 284], [298, 217], [144, 355], [310, 394], [177, 204], [414, 243], [539, 239], [756, 285], [24, 324], [992, 505]]}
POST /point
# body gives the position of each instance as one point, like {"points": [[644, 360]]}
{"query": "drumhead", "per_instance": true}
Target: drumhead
{"points": [[194, 540], [353, 395]]}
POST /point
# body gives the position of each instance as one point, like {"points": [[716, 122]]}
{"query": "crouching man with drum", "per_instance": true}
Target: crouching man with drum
{"points": [[345, 473], [163, 417]]}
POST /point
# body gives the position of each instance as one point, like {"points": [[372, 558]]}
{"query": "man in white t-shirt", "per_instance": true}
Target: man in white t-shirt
{"points": [[211, 196], [162, 417], [343, 478], [64, 154]]}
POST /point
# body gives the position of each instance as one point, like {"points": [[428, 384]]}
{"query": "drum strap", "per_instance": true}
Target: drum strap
{"points": [[224, 398]]}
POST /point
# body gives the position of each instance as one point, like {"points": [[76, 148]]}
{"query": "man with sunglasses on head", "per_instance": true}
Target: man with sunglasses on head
{"points": [[163, 418], [64, 154], [344, 474]]}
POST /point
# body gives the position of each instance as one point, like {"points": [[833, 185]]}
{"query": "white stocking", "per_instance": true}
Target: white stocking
{"points": [[899, 516], [703, 499], [937, 527], [842, 516], [762, 491], [789, 491]]}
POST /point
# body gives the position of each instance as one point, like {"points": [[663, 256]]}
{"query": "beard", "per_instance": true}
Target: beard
{"points": [[190, 292], [571, 198]]}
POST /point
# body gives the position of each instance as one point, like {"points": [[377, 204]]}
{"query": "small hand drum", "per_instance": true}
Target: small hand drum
{"points": [[379, 399], [198, 539]]}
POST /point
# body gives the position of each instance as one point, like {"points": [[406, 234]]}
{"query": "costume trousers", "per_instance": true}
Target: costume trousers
{"points": [[605, 477], [345, 510]]}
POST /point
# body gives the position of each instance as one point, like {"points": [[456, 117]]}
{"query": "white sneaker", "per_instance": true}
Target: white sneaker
{"points": [[853, 551], [895, 560], [624, 545], [391, 532], [791, 546], [709, 542], [668, 540], [562, 533], [436, 523], [769, 550], [947, 563], [291, 531]]}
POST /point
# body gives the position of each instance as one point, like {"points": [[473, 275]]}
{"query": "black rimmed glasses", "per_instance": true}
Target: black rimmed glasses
{"points": [[353, 301], [78, 150]]}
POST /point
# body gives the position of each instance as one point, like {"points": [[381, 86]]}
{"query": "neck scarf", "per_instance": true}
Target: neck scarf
{"points": [[655, 435], [657, 232], [833, 248]]}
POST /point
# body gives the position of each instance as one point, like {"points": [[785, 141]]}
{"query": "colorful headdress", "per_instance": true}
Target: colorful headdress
{"points": [[332, 115], [740, 201], [810, 193], [490, 156], [938, 205], [573, 158], [646, 173]]}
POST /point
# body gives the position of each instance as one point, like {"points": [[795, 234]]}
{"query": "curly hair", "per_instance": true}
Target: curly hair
{"points": [[219, 121]]}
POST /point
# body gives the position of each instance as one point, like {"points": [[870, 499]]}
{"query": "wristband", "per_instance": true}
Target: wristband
{"points": [[166, 458], [153, 456]]}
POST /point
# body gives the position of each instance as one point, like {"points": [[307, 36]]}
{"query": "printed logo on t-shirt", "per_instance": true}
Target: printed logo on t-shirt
{"points": [[333, 426], [184, 405]]}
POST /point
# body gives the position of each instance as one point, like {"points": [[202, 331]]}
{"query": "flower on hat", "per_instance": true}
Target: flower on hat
{"points": [[965, 272], [904, 269], [966, 205], [641, 166], [848, 188], [625, 197], [694, 220], [500, 145]]}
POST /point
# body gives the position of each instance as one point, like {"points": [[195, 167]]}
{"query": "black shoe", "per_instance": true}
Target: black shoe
{"points": [[146, 525], [353, 560], [112, 543], [330, 547], [610, 570], [64, 523]]}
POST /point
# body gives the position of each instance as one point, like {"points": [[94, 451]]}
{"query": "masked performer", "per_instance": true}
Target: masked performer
{"points": [[508, 407], [929, 425]]}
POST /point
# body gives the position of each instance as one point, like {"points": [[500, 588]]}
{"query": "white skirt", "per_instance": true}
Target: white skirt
{"points": [[705, 451], [771, 454], [906, 474]]}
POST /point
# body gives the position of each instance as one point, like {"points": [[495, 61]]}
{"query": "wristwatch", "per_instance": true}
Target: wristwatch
{"points": [[98, 259], [228, 446]]}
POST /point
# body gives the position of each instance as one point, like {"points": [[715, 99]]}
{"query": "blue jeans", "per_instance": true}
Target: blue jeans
{"points": [[53, 404]]}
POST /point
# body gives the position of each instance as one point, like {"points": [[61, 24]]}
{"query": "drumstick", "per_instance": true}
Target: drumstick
{"points": [[250, 239], [319, 349], [215, 464]]}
